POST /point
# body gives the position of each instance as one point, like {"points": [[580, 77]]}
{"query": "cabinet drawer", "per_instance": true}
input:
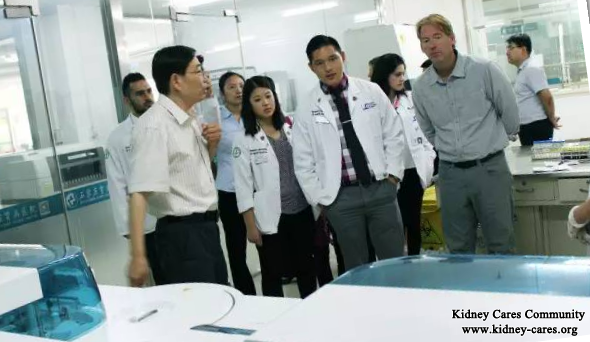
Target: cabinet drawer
{"points": [[534, 190], [573, 190]]}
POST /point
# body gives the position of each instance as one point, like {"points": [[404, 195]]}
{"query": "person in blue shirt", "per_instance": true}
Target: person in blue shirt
{"points": [[231, 85]]}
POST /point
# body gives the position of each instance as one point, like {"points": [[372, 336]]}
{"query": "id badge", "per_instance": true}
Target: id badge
{"points": [[321, 119], [261, 158]]}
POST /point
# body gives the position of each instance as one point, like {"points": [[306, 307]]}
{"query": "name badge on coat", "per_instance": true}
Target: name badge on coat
{"points": [[319, 116], [260, 156]]}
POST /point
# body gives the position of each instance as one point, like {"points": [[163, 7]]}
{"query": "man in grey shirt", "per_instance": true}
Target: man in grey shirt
{"points": [[466, 108], [535, 102]]}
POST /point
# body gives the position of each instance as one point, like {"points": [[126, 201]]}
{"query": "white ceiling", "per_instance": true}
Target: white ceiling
{"points": [[141, 8], [515, 10]]}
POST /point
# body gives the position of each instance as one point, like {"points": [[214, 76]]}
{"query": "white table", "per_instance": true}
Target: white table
{"points": [[375, 314], [180, 307]]}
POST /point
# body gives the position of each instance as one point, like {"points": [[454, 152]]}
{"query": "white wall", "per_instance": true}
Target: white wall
{"points": [[575, 117]]}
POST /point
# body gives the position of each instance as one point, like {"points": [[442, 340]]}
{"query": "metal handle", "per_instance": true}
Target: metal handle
{"points": [[525, 191], [584, 191]]}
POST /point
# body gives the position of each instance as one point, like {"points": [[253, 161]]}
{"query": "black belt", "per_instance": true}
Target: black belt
{"points": [[355, 182], [471, 163], [197, 217]]}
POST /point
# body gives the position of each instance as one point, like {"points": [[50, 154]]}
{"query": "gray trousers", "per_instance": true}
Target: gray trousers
{"points": [[373, 209], [479, 194]]}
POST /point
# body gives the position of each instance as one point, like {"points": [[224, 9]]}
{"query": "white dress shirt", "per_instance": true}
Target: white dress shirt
{"points": [[117, 164], [170, 160], [530, 80]]}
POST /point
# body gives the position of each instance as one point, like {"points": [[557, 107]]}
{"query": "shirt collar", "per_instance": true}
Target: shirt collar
{"points": [[524, 64], [180, 115], [132, 119], [343, 84], [458, 70], [225, 113]]}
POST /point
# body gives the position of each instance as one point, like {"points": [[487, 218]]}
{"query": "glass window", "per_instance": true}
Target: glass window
{"points": [[147, 28], [30, 191], [554, 28], [15, 131]]}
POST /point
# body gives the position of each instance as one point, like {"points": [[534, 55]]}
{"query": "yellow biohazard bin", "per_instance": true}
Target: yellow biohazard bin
{"points": [[431, 223]]}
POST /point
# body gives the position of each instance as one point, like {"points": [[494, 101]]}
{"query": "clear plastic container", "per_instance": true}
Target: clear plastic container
{"points": [[208, 111], [71, 305], [564, 276], [547, 149]]}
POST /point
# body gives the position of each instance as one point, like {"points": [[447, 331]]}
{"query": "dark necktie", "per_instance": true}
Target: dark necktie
{"points": [[359, 161]]}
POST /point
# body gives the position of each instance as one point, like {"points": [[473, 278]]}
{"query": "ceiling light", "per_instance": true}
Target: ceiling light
{"points": [[275, 42], [189, 3], [494, 24], [136, 48], [366, 16], [554, 3], [229, 46], [309, 9]]}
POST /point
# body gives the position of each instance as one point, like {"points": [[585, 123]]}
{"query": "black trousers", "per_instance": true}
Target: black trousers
{"points": [[535, 131], [409, 199], [338, 251], [189, 248], [153, 259], [321, 257], [294, 238], [235, 242]]}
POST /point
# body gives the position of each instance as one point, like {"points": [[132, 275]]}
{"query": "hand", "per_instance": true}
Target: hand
{"points": [[208, 85], [212, 133], [555, 122], [583, 237], [138, 271], [393, 179], [255, 237]]}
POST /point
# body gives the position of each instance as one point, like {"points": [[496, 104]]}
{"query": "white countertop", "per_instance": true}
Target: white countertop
{"points": [[521, 164], [180, 307], [376, 314]]}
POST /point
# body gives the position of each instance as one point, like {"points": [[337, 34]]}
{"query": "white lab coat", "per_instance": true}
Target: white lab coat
{"points": [[118, 172], [419, 148], [316, 139], [257, 180]]}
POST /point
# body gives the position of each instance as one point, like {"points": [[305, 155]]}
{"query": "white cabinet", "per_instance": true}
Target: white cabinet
{"points": [[534, 190], [574, 190]]}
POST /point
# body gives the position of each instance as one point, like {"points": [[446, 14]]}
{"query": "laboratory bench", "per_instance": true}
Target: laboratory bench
{"points": [[544, 193]]}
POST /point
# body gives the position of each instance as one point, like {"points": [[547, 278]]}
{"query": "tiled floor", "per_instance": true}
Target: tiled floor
{"points": [[290, 290]]}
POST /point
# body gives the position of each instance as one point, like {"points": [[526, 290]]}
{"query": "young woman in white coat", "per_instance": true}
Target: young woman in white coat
{"points": [[278, 218], [389, 73]]}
